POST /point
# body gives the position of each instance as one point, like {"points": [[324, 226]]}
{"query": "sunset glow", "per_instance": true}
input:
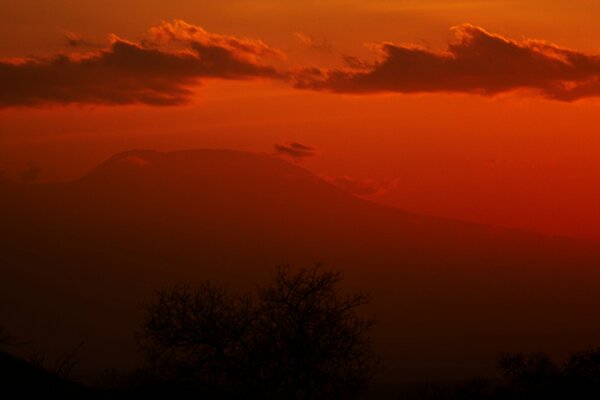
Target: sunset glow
{"points": [[504, 148]]}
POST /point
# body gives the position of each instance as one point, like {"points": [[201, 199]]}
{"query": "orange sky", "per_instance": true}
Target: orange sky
{"points": [[514, 159]]}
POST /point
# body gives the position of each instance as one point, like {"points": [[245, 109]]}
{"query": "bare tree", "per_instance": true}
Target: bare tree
{"points": [[317, 344], [196, 338], [296, 338]]}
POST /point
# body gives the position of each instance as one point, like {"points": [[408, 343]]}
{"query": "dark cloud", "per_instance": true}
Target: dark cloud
{"points": [[161, 70], [165, 67], [476, 62], [294, 150], [362, 187]]}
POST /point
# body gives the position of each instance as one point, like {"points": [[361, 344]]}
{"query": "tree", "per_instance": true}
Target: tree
{"points": [[530, 376], [582, 373], [536, 376], [296, 338]]}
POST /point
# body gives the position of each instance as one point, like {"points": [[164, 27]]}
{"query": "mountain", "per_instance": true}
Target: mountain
{"points": [[78, 258]]}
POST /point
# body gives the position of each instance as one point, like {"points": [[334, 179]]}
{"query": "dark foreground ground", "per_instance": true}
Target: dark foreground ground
{"points": [[532, 376]]}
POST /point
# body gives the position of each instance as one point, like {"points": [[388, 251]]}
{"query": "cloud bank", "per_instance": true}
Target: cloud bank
{"points": [[476, 62], [160, 70], [165, 68]]}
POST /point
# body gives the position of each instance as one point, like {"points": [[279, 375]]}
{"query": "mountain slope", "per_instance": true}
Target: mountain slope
{"points": [[20, 378], [78, 258]]}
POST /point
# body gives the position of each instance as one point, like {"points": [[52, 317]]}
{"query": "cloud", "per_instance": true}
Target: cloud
{"points": [[165, 67], [475, 62], [160, 70], [250, 50], [294, 150], [363, 187]]}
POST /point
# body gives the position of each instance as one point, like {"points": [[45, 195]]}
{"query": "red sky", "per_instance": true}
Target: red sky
{"points": [[495, 122]]}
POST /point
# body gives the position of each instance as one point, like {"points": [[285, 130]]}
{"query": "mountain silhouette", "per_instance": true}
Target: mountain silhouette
{"points": [[77, 258]]}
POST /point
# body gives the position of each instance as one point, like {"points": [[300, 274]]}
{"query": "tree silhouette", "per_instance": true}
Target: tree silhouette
{"points": [[582, 373], [297, 338], [530, 376], [536, 376]]}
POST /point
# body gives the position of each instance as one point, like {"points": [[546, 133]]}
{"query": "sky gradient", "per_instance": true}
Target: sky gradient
{"points": [[478, 110]]}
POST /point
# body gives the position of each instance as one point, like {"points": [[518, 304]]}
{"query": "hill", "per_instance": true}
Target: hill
{"points": [[21, 379]]}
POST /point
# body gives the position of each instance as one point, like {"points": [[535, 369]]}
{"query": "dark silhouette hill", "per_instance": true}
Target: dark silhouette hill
{"points": [[20, 379], [77, 258]]}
